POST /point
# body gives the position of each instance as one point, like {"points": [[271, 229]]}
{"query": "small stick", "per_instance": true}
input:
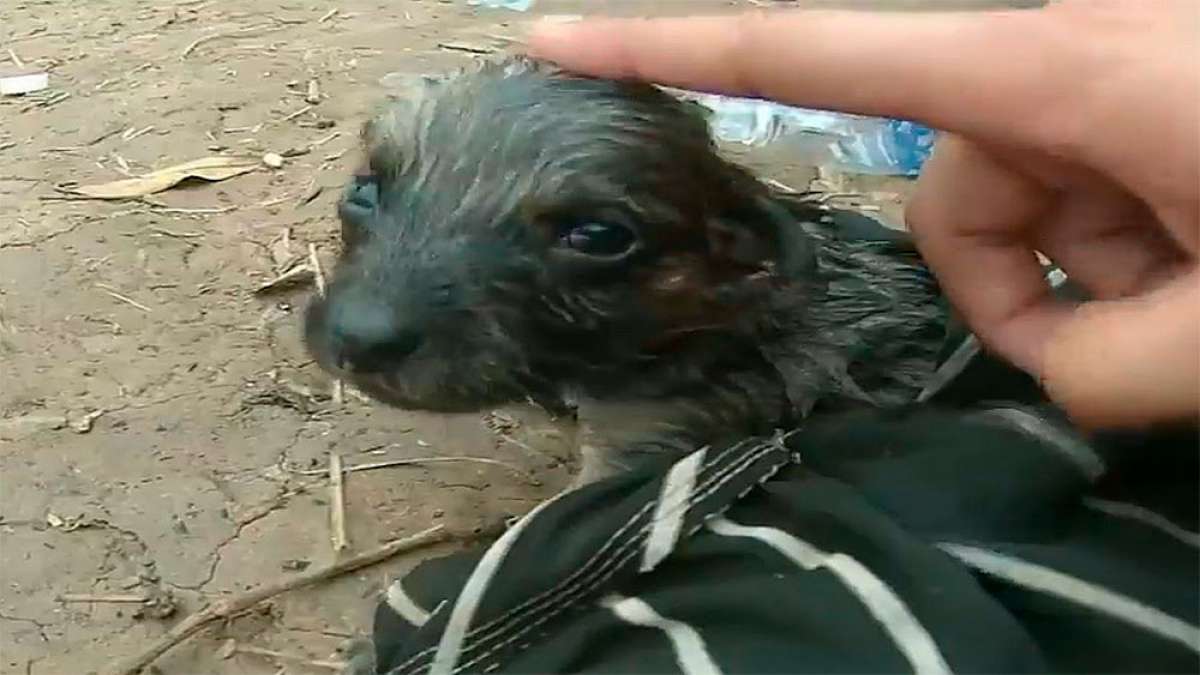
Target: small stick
{"points": [[410, 461], [229, 607], [139, 69], [123, 298], [780, 185], [314, 263], [17, 60], [322, 141], [193, 212], [328, 15], [88, 597], [291, 116], [209, 38], [280, 656], [296, 275], [274, 201], [337, 506], [171, 233], [463, 47], [132, 133]]}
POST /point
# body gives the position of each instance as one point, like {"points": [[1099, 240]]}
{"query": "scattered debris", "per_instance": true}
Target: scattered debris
{"points": [[51, 100], [229, 607], [172, 233], [123, 298], [273, 160], [70, 523], [501, 423], [17, 85], [291, 658], [131, 133], [117, 598], [310, 194], [242, 32], [300, 275], [517, 5], [295, 565], [412, 461], [207, 168], [293, 115], [314, 263], [85, 422], [227, 650], [27, 425], [469, 48], [337, 505], [779, 185], [208, 211], [322, 141], [283, 394], [281, 249], [160, 605]]}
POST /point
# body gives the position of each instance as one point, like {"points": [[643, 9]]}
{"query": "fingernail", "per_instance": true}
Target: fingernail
{"points": [[550, 19], [547, 22]]}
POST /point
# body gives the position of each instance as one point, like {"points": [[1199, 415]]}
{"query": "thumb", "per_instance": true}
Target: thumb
{"points": [[1129, 362]]}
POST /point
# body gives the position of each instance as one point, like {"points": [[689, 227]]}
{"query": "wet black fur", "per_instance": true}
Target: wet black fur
{"points": [[478, 173]]}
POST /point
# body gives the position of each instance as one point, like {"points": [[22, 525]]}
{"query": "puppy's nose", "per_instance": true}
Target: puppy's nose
{"points": [[367, 338]]}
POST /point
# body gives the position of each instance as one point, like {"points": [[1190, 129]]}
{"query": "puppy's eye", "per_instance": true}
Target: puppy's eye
{"points": [[599, 239], [364, 191], [357, 208]]}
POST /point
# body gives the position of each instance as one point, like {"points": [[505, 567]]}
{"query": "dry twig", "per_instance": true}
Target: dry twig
{"points": [[314, 262], [89, 597], [217, 36], [230, 607], [123, 298], [280, 656], [412, 461], [293, 115], [337, 503], [300, 274]]}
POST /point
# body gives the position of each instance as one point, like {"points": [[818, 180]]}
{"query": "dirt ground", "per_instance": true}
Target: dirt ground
{"points": [[156, 415]]}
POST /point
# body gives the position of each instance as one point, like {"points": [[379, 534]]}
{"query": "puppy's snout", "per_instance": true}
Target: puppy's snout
{"points": [[367, 337]]}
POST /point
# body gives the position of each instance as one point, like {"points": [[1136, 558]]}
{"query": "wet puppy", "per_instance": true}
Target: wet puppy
{"points": [[523, 233]]}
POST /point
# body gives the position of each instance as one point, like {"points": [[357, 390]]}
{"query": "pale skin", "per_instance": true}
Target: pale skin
{"points": [[1073, 130]]}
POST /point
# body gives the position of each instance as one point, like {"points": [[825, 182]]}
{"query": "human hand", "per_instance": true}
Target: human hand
{"points": [[1073, 130]]}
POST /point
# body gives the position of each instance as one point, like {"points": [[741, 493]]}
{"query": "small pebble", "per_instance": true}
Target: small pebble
{"points": [[295, 565], [273, 160]]}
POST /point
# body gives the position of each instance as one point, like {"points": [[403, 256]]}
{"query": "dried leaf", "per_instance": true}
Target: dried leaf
{"points": [[207, 168]]}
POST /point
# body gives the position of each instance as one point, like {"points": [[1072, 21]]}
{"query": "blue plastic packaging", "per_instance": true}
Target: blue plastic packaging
{"points": [[517, 5], [851, 143]]}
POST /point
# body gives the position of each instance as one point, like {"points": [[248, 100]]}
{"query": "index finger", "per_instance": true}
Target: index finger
{"points": [[967, 72]]}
